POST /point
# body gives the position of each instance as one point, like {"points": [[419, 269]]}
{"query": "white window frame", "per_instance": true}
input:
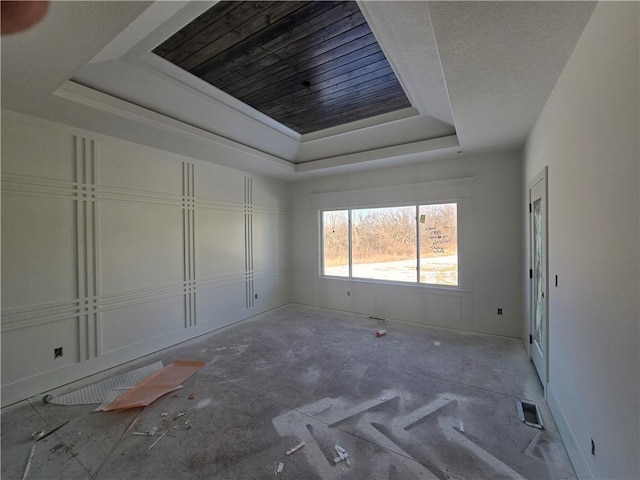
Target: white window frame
{"points": [[458, 191], [350, 245]]}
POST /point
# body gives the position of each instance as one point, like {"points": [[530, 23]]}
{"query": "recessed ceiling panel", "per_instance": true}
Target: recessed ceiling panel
{"points": [[308, 65]]}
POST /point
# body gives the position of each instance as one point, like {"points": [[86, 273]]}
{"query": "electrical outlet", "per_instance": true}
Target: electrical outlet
{"points": [[57, 352], [593, 448], [499, 310]]}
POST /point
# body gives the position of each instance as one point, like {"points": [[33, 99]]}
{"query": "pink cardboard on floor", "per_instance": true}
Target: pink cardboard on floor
{"points": [[155, 386]]}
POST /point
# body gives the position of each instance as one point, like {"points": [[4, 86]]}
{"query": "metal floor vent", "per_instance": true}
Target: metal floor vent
{"points": [[529, 414]]}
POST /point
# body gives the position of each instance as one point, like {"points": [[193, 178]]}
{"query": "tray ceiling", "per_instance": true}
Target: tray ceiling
{"points": [[493, 66], [308, 65]]}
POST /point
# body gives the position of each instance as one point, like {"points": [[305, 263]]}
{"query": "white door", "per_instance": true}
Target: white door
{"points": [[539, 293]]}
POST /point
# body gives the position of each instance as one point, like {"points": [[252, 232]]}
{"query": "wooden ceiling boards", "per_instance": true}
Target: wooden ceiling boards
{"points": [[308, 65]]}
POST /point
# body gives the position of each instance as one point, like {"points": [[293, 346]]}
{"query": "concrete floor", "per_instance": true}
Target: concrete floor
{"points": [[394, 403]]}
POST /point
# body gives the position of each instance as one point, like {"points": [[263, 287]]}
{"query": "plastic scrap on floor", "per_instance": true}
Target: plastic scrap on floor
{"points": [[164, 414], [32, 452], [155, 386], [380, 333], [279, 468], [105, 391], [295, 449]]}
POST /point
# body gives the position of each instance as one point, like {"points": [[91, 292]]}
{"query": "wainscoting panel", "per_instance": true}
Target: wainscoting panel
{"points": [[29, 351], [270, 240], [142, 245], [219, 185], [35, 152], [220, 302], [219, 242], [31, 274], [138, 322], [137, 170], [113, 250]]}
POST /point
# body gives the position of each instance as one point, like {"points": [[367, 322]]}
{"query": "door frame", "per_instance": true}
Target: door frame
{"points": [[543, 177]]}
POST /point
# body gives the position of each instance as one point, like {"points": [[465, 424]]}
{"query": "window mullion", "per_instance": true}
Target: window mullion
{"points": [[350, 247], [418, 243]]}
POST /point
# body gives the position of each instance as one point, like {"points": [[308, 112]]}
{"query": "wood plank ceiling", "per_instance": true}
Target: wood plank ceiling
{"points": [[308, 65]]}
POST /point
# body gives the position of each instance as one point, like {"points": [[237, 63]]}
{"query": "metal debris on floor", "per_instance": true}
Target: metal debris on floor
{"points": [[380, 333], [295, 449], [42, 437]]}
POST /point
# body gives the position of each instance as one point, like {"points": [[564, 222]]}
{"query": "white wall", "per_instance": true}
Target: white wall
{"points": [[490, 251], [588, 136], [112, 250]]}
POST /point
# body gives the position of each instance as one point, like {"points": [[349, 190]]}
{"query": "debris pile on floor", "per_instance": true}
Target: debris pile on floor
{"points": [[342, 455]]}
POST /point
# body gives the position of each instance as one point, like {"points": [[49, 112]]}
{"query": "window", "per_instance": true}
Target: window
{"points": [[417, 243], [336, 243]]}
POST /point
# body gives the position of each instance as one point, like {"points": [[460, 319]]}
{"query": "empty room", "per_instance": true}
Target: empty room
{"points": [[320, 240]]}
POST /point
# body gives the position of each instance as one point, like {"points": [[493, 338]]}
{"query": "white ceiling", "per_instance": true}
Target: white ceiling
{"points": [[477, 73]]}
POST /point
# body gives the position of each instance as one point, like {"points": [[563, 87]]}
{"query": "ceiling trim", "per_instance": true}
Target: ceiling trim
{"points": [[90, 97], [360, 124], [406, 35], [78, 93], [397, 152]]}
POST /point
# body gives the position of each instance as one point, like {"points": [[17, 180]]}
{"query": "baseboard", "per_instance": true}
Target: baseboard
{"points": [[570, 442]]}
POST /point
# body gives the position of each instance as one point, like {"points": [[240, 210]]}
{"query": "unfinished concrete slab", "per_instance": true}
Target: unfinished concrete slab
{"points": [[300, 374]]}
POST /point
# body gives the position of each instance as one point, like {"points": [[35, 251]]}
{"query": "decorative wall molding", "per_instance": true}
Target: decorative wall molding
{"points": [[35, 315], [17, 184], [112, 301], [248, 232], [201, 202], [90, 216], [260, 274], [270, 210], [87, 248], [188, 208]]}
